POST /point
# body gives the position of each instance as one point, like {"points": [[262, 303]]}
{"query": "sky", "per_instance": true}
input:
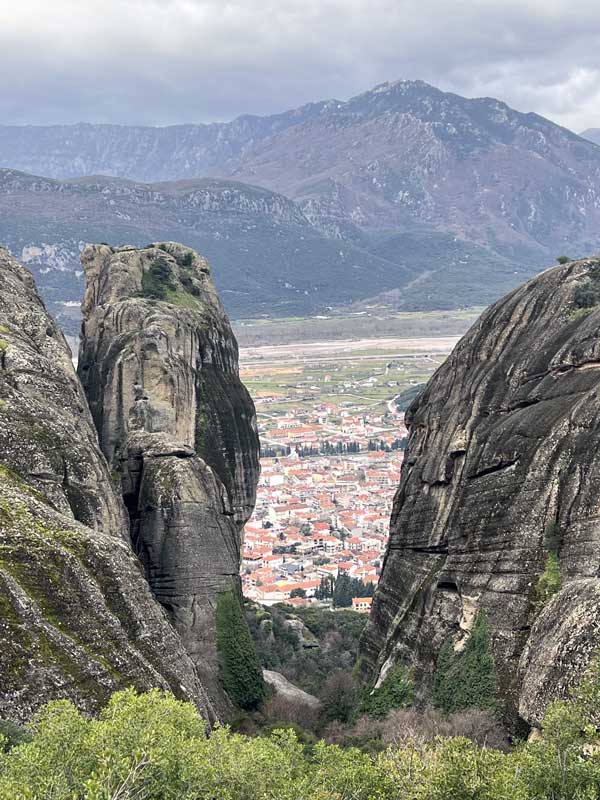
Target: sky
{"points": [[159, 62]]}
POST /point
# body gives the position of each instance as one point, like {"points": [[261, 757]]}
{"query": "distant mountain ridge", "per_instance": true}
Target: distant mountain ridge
{"points": [[268, 258], [428, 199], [592, 134]]}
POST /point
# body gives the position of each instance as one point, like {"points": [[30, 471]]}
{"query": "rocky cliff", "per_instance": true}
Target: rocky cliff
{"points": [[497, 507], [77, 618], [158, 362]]}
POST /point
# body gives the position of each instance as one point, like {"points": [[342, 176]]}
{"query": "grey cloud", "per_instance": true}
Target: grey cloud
{"points": [[171, 61]]}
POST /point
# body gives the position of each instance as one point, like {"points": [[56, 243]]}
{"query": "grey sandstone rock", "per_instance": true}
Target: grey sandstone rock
{"points": [[158, 362], [77, 618], [288, 690], [503, 448]]}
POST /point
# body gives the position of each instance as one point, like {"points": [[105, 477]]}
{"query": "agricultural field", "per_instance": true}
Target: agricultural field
{"points": [[372, 322]]}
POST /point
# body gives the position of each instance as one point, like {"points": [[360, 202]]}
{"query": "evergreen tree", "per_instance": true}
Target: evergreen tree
{"points": [[342, 592], [241, 672], [467, 679], [396, 691]]}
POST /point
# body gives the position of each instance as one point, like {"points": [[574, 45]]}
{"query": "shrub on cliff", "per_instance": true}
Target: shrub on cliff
{"points": [[587, 294], [550, 580], [241, 672], [395, 691], [157, 281], [467, 679]]}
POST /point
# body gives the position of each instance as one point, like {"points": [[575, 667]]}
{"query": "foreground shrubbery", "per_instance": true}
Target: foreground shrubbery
{"points": [[152, 747]]}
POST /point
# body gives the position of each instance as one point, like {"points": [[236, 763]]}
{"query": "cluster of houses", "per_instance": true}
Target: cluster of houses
{"points": [[320, 514]]}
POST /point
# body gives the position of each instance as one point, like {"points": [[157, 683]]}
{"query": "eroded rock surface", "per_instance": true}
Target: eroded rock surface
{"points": [[503, 454], [158, 362], [77, 618]]}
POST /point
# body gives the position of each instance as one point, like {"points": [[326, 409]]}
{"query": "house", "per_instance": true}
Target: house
{"points": [[362, 604]]}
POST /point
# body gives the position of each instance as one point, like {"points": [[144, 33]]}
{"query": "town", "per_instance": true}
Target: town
{"points": [[331, 423]]}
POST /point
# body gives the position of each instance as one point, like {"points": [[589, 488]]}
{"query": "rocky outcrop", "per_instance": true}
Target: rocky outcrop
{"points": [[77, 618], [158, 362], [502, 473], [562, 642], [288, 690]]}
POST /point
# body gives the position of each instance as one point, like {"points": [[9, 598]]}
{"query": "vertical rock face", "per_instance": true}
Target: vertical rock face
{"points": [[502, 469], [56, 453], [158, 362], [77, 618]]}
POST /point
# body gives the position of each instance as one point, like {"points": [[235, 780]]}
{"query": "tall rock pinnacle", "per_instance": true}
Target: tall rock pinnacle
{"points": [[158, 362], [77, 618]]}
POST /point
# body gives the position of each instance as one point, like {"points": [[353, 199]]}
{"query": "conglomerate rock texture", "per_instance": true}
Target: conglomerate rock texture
{"points": [[504, 455], [158, 362], [77, 618]]}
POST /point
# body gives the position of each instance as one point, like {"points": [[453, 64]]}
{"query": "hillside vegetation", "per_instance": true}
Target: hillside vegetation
{"points": [[154, 747]]}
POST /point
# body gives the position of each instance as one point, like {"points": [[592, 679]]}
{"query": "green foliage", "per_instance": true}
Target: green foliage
{"points": [[187, 259], [550, 580], [553, 537], [587, 294], [396, 691], [442, 691], [12, 734], [153, 747], [563, 259], [241, 672], [579, 314], [346, 587], [466, 679], [157, 280], [335, 645]]}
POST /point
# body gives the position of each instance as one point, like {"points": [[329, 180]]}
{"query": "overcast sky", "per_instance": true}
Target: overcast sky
{"points": [[170, 61]]}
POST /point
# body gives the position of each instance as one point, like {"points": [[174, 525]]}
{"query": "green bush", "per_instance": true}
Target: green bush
{"points": [[157, 281], [587, 295], [241, 672], [396, 691], [187, 259], [153, 747], [466, 679], [550, 580], [12, 733], [553, 537]]}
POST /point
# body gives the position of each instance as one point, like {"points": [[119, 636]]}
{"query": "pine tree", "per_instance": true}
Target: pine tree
{"points": [[241, 672]]}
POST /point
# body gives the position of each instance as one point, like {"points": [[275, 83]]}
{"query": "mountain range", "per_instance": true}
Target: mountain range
{"points": [[405, 194], [592, 134]]}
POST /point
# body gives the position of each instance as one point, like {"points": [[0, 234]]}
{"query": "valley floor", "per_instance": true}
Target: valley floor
{"points": [[331, 421]]}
